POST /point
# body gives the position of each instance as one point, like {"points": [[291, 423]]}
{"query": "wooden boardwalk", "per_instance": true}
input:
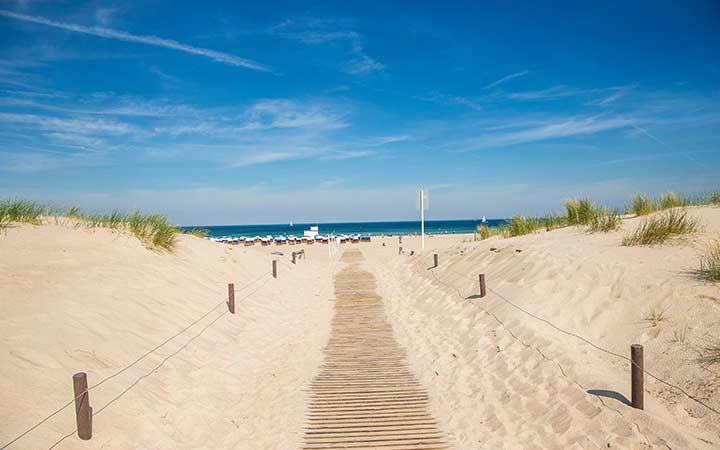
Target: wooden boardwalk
{"points": [[365, 396]]}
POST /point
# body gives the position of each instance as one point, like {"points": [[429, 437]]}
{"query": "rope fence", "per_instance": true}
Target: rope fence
{"points": [[634, 364], [141, 358]]}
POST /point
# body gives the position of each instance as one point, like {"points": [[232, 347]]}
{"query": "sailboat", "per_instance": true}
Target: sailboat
{"points": [[291, 224], [483, 220]]}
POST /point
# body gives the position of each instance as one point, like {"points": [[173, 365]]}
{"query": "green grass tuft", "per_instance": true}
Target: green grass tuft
{"points": [[642, 205], [519, 226], [672, 200], [710, 263], [200, 232], [655, 316], [714, 198], [605, 220], [483, 232], [580, 211], [660, 228], [554, 221], [152, 229], [710, 355], [23, 211]]}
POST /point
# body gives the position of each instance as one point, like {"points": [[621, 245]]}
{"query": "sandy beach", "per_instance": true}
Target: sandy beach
{"points": [[511, 370]]}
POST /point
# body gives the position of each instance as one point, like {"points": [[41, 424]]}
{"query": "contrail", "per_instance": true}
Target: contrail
{"points": [[118, 35]]}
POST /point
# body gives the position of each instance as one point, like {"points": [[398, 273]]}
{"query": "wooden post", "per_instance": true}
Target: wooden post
{"points": [[436, 258], [83, 411], [274, 268], [293, 258], [482, 285], [637, 376], [231, 298], [400, 251]]}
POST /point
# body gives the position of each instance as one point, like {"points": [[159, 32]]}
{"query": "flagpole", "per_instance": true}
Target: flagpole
{"points": [[422, 217]]}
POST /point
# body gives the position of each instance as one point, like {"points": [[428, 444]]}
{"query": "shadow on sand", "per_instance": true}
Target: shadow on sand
{"points": [[609, 394]]}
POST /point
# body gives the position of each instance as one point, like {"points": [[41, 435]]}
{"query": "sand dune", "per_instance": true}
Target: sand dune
{"points": [[502, 379], [75, 300]]}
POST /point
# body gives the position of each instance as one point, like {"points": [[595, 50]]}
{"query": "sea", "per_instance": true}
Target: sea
{"points": [[363, 228]]}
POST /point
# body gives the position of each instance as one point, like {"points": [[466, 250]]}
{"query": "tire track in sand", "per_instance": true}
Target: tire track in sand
{"points": [[365, 396]]}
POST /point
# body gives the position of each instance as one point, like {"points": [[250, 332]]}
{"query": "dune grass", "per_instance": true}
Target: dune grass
{"points": [[199, 232], [483, 232], [153, 230], [642, 205], [655, 316], [710, 263], [554, 221], [597, 218], [658, 229], [714, 198], [672, 200], [710, 355], [519, 225], [22, 211], [580, 211], [605, 220]]}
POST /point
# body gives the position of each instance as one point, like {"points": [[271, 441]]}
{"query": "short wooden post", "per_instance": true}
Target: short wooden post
{"points": [[400, 251], [482, 284], [293, 257], [83, 411], [274, 268], [637, 376], [436, 258], [231, 298]]}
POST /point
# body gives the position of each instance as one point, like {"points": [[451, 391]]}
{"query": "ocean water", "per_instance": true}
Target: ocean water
{"points": [[366, 228]]}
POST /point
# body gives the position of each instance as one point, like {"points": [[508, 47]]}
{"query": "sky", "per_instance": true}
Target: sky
{"points": [[266, 112]]}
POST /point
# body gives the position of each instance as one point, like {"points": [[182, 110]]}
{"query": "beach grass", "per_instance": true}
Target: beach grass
{"points": [[714, 198], [22, 211], [197, 232], [709, 267], [642, 205], [655, 316], [584, 212], [659, 228], [710, 355], [672, 200], [153, 230], [605, 220], [554, 221], [519, 225], [580, 211], [680, 336], [483, 232]]}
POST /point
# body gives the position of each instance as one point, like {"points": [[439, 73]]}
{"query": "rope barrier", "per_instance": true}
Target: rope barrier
{"points": [[124, 369], [569, 333]]}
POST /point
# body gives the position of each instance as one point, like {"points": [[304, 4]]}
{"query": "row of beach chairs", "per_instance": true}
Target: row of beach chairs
{"points": [[292, 240]]}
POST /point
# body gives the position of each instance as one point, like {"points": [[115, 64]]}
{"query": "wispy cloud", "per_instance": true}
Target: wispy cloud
{"points": [[445, 99], [348, 154], [506, 78], [314, 31], [549, 93], [108, 33], [555, 129]]}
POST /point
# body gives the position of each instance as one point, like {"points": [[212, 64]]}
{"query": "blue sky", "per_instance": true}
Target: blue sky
{"points": [[262, 112]]}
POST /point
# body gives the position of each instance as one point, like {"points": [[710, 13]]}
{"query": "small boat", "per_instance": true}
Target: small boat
{"points": [[483, 220], [291, 223]]}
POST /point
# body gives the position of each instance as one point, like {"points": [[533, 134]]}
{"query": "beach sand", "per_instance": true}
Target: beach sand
{"points": [[497, 375]]}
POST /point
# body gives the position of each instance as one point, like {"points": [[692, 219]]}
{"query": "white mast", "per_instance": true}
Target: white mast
{"points": [[422, 217]]}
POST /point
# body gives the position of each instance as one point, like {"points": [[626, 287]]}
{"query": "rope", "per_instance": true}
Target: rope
{"points": [[585, 340], [124, 369]]}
